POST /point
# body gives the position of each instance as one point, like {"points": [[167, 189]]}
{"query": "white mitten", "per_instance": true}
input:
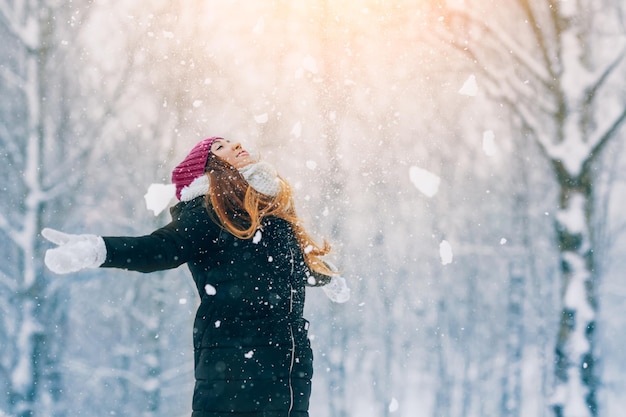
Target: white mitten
{"points": [[337, 289], [75, 252]]}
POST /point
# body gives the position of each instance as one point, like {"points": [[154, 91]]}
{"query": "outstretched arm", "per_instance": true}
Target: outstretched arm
{"points": [[165, 248], [168, 247]]}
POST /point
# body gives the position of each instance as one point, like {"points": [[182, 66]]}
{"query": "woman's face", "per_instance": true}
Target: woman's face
{"points": [[231, 152]]}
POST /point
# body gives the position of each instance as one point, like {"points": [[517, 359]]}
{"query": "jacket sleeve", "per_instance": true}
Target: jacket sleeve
{"points": [[180, 241]]}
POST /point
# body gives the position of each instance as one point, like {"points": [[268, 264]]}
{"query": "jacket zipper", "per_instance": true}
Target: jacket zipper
{"points": [[293, 340], [293, 359]]}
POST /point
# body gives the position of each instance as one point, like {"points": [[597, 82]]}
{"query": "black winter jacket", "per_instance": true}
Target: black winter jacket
{"points": [[252, 353]]}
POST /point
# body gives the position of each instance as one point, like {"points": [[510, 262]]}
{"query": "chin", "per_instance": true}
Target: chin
{"points": [[241, 164]]}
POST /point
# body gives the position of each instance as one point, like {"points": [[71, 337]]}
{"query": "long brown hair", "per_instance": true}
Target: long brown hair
{"points": [[240, 209]]}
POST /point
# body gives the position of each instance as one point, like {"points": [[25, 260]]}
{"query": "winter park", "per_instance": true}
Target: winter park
{"points": [[173, 168]]}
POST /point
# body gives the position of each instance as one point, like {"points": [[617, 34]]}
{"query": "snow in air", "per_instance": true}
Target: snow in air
{"points": [[470, 87], [393, 405], [296, 130], [249, 354], [259, 28], [261, 118], [445, 252], [159, 196], [489, 144], [310, 64], [210, 289], [425, 181], [311, 165], [257, 237]]}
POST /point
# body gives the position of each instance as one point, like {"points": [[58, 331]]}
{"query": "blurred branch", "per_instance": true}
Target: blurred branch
{"points": [[591, 91], [603, 138], [13, 152], [505, 86], [537, 32], [64, 172], [135, 379], [5, 225], [101, 373], [9, 283], [11, 77], [27, 33], [506, 43]]}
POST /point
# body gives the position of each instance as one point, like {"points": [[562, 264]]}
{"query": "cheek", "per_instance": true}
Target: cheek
{"points": [[224, 155]]}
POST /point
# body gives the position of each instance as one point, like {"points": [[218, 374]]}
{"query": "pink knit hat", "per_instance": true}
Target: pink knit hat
{"points": [[193, 165]]}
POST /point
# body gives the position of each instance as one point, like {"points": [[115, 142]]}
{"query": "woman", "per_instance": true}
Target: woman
{"points": [[236, 228]]}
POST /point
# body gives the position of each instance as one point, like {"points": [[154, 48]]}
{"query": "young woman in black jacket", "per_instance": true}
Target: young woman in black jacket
{"points": [[236, 228]]}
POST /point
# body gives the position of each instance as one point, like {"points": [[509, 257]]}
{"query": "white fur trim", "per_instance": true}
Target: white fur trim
{"points": [[198, 187], [260, 175], [101, 252]]}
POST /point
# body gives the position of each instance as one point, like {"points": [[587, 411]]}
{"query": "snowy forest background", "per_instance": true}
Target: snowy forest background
{"points": [[465, 158]]}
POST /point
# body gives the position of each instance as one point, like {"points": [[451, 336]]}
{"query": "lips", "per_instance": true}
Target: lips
{"points": [[244, 153]]}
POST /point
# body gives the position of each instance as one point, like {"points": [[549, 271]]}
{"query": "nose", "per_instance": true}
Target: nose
{"points": [[236, 145]]}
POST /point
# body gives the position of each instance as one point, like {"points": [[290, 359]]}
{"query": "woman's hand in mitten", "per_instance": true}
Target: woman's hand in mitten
{"points": [[337, 289], [74, 252]]}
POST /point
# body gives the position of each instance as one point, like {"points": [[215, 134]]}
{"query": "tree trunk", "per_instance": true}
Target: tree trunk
{"points": [[512, 379], [576, 383], [28, 371]]}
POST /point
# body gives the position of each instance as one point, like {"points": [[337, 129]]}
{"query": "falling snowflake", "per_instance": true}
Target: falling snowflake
{"points": [[470, 87], [489, 144], [261, 118], [297, 130], [445, 252], [425, 181], [310, 64], [393, 405]]}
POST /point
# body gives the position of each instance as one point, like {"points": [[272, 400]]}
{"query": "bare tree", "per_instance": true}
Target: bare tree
{"points": [[548, 62], [46, 133]]}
